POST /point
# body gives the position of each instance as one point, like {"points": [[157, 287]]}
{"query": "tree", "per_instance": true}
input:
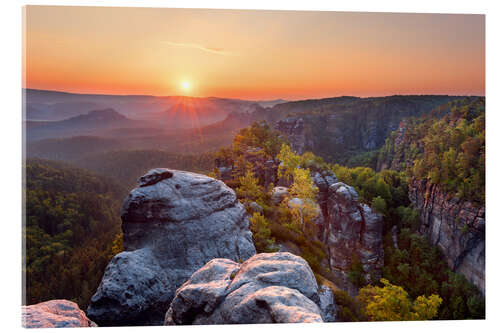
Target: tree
{"points": [[392, 303], [249, 189], [303, 191], [379, 205], [356, 272], [262, 233], [289, 162]]}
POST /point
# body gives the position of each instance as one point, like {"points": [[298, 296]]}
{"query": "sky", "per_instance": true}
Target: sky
{"points": [[252, 54]]}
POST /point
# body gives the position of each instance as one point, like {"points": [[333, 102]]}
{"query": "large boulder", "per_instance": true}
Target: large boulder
{"points": [[268, 288], [279, 193], [54, 313], [173, 224]]}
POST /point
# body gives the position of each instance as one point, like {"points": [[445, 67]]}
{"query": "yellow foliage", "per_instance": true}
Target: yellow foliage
{"points": [[392, 303]]}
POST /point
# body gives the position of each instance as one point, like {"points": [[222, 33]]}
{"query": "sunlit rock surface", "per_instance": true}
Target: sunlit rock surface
{"points": [[55, 313], [268, 288]]}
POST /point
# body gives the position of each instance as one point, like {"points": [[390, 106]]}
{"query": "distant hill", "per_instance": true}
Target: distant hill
{"points": [[170, 111], [85, 124], [188, 112], [271, 103]]}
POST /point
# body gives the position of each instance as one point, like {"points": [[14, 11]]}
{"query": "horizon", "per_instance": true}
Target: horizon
{"points": [[249, 100], [252, 54]]}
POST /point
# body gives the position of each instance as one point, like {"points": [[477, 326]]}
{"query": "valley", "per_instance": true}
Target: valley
{"points": [[353, 165]]}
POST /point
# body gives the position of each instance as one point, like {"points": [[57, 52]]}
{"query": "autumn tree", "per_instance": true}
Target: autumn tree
{"points": [[303, 202], [289, 162], [392, 303]]}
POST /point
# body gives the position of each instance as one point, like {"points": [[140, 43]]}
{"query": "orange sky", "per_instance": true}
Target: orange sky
{"points": [[252, 54]]}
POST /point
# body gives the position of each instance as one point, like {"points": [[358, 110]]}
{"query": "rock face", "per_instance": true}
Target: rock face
{"points": [[55, 313], [268, 288], [173, 224], [352, 229], [327, 304], [293, 129], [456, 226]]}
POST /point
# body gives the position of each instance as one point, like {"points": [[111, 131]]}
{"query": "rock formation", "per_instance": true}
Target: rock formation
{"points": [[293, 129], [279, 193], [347, 228], [268, 288], [173, 224], [54, 313], [263, 168], [456, 226], [352, 229]]}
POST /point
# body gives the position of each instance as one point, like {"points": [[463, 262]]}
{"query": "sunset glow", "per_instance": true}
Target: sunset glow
{"points": [[252, 54]]}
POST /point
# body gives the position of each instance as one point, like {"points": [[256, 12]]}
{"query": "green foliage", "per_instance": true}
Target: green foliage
{"points": [[408, 217], [356, 272], [390, 185], [449, 151], [249, 188], [391, 302], [379, 205], [349, 309], [364, 159], [421, 270], [259, 135], [262, 234], [289, 162], [72, 218]]}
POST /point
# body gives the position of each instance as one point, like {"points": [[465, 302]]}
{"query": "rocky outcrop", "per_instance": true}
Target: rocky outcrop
{"points": [[264, 169], [323, 179], [327, 304], [173, 224], [293, 129], [54, 313], [456, 226], [352, 229], [268, 288], [279, 193]]}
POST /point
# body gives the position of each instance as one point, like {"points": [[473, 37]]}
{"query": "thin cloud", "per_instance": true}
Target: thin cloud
{"points": [[199, 47]]}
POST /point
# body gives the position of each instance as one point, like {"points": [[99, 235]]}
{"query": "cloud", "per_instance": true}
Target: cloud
{"points": [[198, 47]]}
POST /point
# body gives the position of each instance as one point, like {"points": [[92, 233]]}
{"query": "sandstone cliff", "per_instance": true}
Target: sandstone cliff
{"points": [[173, 223], [456, 226], [353, 230]]}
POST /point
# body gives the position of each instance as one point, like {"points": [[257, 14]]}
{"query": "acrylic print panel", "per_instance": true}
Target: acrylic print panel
{"points": [[203, 166]]}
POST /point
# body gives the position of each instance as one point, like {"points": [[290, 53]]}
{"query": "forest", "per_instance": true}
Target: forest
{"points": [[71, 230]]}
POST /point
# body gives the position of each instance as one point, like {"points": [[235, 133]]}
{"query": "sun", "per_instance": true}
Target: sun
{"points": [[185, 85]]}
